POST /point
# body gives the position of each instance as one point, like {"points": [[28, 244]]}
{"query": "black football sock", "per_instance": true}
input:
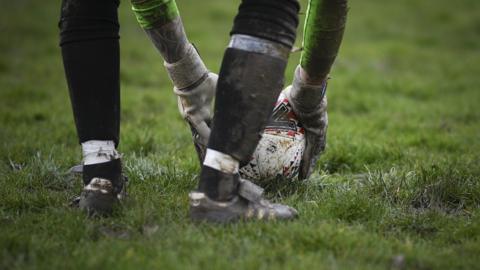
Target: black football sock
{"points": [[111, 170], [250, 79], [90, 51]]}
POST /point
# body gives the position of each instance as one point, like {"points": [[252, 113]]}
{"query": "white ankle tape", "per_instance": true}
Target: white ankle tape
{"points": [[95, 152], [187, 70], [221, 162]]}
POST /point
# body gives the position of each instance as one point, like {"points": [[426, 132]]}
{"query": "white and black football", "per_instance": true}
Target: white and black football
{"points": [[280, 150]]}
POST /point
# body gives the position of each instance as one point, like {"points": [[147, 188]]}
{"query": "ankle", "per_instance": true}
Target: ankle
{"points": [[219, 177], [217, 185], [111, 171], [97, 151]]}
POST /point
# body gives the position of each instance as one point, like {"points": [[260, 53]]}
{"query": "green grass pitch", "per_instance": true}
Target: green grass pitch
{"points": [[397, 188]]}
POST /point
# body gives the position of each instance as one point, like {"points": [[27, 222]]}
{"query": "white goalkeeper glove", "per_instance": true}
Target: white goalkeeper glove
{"points": [[195, 88], [309, 102]]}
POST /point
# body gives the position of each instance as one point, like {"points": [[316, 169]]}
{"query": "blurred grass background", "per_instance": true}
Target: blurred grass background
{"points": [[398, 187]]}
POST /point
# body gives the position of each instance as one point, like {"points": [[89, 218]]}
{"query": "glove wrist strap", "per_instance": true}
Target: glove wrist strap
{"points": [[306, 97], [188, 70]]}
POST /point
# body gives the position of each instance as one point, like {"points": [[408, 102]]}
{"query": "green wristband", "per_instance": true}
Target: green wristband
{"points": [[154, 13]]}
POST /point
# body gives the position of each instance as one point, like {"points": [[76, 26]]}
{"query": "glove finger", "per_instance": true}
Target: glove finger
{"points": [[200, 135], [314, 146], [305, 163], [202, 129]]}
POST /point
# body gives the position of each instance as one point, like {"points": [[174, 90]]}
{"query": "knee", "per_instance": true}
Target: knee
{"points": [[275, 20]]}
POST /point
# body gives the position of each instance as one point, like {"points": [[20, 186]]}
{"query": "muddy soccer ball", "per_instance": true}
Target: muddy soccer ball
{"points": [[280, 150]]}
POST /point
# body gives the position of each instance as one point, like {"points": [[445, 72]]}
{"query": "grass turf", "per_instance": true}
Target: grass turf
{"points": [[398, 186]]}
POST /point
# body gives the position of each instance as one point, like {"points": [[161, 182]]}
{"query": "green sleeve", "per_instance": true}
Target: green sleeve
{"points": [[322, 35], [151, 13]]}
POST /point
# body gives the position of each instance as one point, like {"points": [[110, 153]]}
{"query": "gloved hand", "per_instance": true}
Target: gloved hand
{"points": [[309, 102], [195, 87], [195, 107]]}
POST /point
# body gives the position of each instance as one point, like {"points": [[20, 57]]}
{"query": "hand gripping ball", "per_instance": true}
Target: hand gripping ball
{"points": [[280, 150]]}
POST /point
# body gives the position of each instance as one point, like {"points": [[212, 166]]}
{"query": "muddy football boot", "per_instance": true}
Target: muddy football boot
{"points": [[309, 102], [104, 187], [249, 204]]}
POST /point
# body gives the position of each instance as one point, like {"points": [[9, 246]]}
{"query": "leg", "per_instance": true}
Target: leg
{"points": [[193, 83], [250, 80], [90, 51], [323, 34]]}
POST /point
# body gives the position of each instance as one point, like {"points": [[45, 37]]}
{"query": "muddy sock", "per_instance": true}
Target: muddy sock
{"points": [[250, 79], [111, 170]]}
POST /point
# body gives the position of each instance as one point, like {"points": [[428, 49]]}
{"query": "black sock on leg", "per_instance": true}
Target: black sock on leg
{"points": [[250, 80], [91, 57], [218, 185], [111, 171]]}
